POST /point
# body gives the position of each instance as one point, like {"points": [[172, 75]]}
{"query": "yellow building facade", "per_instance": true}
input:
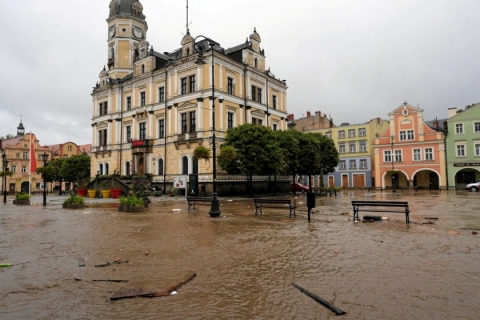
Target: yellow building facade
{"points": [[355, 148], [150, 110]]}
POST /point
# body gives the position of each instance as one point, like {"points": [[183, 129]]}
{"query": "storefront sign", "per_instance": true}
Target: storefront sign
{"points": [[467, 164]]}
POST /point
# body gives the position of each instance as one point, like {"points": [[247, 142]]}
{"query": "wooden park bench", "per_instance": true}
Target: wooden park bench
{"points": [[261, 203], [380, 206], [193, 201]]}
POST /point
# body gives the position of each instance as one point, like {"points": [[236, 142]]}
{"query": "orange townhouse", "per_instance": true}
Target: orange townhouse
{"points": [[410, 153]]}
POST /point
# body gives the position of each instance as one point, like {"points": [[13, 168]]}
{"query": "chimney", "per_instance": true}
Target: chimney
{"points": [[290, 117], [309, 114], [452, 112]]}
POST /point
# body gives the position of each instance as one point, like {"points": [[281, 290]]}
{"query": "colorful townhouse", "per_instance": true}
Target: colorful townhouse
{"points": [[463, 146], [410, 153], [23, 153], [354, 145]]}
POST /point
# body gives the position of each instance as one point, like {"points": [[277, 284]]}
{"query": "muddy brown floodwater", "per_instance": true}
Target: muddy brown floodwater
{"points": [[245, 264]]}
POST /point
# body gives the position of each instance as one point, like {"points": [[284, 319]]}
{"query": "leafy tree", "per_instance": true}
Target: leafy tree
{"points": [[76, 169], [228, 159], [8, 136], [257, 151], [289, 143]]}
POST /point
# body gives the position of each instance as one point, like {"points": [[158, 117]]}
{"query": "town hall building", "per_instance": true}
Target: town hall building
{"points": [[150, 110]]}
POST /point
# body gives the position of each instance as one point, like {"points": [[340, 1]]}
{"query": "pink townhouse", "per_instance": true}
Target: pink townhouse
{"points": [[409, 153]]}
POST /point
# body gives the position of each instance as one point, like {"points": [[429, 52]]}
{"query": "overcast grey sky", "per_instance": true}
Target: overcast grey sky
{"points": [[352, 59]]}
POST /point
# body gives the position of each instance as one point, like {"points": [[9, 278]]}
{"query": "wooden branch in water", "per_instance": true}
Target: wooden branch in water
{"points": [[324, 302], [176, 287]]}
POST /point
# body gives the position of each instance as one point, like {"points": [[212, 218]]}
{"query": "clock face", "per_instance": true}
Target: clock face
{"points": [[111, 32], [137, 32]]}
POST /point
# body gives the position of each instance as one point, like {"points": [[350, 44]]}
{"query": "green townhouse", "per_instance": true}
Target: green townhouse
{"points": [[463, 146]]}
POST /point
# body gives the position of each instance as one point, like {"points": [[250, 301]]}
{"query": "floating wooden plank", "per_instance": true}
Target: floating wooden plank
{"points": [[324, 302], [132, 293], [108, 280]]}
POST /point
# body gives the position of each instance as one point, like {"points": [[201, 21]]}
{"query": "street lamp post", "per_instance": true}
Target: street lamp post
{"points": [[44, 159], [4, 181], [393, 166], [200, 49]]}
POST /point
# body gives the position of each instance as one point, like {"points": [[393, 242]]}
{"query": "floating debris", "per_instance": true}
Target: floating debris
{"points": [[324, 302], [111, 263], [81, 262]]}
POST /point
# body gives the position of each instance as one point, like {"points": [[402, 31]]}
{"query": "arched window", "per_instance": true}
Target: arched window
{"points": [[106, 168], [187, 51], [160, 167], [184, 165], [195, 166], [256, 63], [127, 168], [101, 169]]}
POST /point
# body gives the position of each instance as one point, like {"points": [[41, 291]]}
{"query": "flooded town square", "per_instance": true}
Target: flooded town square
{"points": [[244, 264]]}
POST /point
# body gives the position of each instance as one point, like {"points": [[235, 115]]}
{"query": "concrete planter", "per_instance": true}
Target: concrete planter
{"points": [[127, 208], [69, 205], [22, 202]]}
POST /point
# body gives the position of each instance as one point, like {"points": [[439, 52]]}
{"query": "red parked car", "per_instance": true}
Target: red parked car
{"points": [[298, 187]]}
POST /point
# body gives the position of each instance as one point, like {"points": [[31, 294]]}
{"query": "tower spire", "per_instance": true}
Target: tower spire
{"points": [[188, 31]]}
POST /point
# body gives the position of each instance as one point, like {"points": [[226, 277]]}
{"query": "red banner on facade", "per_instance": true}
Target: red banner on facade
{"points": [[138, 143]]}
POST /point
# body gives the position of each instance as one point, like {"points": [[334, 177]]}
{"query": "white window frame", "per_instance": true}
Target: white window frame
{"points": [[363, 146], [341, 134], [387, 156], [363, 164], [459, 126], [476, 147], [407, 135], [457, 145], [352, 147], [352, 164], [362, 132], [341, 148], [351, 133], [428, 156], [398, 155], [342, 165], [415, 153], [475, 123]]}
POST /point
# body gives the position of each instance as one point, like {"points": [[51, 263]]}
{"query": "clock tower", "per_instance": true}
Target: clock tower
{"points": [[127, 30]]}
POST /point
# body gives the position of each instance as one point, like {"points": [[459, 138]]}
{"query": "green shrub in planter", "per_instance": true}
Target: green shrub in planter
{"points": [[22, 196], [131, 201], [75, 199]]}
